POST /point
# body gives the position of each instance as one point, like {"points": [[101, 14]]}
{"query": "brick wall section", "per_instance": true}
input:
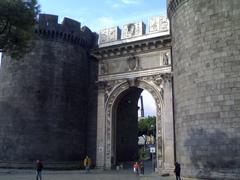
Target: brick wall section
{"points": [[206, 65]]}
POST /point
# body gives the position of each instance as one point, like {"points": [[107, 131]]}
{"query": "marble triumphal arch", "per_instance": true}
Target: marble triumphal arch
{"points": [[131, 60]]}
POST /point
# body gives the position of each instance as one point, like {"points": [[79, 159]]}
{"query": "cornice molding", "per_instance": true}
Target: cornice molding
{"points": [[132, 48], [150, 72]]}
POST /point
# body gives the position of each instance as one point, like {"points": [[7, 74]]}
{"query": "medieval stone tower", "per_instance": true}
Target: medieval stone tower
{"points": [[44, 97], [206, 67]]}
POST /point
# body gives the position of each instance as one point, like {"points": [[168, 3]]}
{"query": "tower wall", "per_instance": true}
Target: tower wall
{"points": [[44, 97], [206, 66]]}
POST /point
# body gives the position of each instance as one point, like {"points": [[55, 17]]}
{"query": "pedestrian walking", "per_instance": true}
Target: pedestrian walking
{"points": [[136, 168], [177, 171], [39, 167], [141, 167], [87, 163]]}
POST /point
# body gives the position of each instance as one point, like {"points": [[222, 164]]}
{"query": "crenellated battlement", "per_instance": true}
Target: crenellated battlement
{"points": [[69, 31], [157, 26]]}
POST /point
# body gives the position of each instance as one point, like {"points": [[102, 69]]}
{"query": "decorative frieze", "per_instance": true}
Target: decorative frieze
{"points": [[157, 24]]}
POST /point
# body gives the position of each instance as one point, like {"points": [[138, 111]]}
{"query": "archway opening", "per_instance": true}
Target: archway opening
{"points": [[147, 131], [126, 126], [127, 146]]}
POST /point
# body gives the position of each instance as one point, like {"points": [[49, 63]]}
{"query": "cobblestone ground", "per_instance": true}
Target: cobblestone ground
{"points": [[6, 174]]}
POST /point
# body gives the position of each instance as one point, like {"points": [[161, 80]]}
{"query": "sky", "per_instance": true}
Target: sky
{"points": [[100, 14], [148, 104]]}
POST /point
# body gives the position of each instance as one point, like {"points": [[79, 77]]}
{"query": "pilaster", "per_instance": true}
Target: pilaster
{"points": [[100, 154], [167, 123]]}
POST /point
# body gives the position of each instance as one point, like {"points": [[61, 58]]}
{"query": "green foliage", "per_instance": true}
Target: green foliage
{"points": [[144, 154], [17, 21], [147, 126]]}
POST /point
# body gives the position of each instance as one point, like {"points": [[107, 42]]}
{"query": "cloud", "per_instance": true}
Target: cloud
{"points": [[75, 12], [106, 22], [131, 1], [114, 4], [121, 3]]}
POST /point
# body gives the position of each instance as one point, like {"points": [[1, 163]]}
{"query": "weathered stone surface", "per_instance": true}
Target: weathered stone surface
{"points": [[44, 97], [206, 66]]}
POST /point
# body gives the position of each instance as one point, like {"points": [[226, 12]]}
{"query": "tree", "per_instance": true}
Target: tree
{"points": [[147, 126], [17, 21]]}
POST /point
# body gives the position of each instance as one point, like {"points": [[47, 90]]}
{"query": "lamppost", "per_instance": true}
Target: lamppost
{"points": [[153, 151]]}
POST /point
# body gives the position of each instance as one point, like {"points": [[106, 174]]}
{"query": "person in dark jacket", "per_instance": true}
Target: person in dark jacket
{"points": [[177, 171], [39, 169]]}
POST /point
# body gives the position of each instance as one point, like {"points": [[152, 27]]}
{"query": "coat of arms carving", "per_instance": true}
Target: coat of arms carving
{"points": [[133, 62]]}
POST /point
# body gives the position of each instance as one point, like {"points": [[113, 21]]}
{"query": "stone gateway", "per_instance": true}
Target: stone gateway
{"points": [[75, 95]]}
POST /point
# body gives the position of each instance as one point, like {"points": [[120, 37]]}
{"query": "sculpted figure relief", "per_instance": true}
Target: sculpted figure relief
{"points": [[103, 68], [165, 59], [131, 29]]}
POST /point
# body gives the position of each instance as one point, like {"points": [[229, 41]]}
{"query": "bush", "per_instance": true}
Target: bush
{"points": [[144, 154]]}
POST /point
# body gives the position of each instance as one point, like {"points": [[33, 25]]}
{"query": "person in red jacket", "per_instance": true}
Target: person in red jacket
{"points": [[136, 168]]}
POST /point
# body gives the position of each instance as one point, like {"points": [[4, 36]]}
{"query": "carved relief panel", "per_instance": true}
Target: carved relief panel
{"points": [[166, 57], [109, 35], [158, 24], [133, 29]]}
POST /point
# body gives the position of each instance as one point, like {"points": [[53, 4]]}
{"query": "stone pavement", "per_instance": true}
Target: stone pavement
{"points": [[13, 174]]}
